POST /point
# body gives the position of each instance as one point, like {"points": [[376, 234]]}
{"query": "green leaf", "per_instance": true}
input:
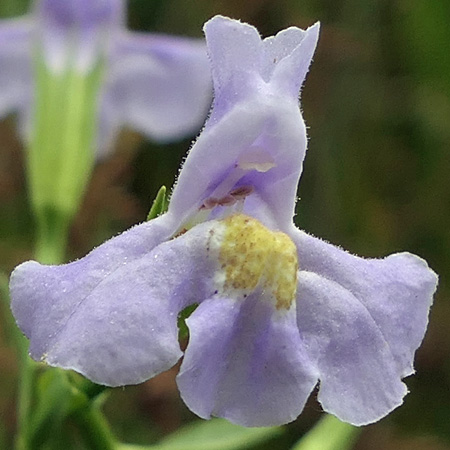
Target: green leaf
{"points": [[160, 204], [329, 434], [12, 8], [217, 434]]}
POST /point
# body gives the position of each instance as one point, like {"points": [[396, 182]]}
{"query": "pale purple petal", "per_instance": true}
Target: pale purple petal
{"points": [[108, 123], [82, 14], [243, 63], [255, 136], [158, 85], [359, 379], [273, 131], [245, 362], [112, 315], [235, 51], [296, 52], [15, 65], [277, 48], [397, 291]]}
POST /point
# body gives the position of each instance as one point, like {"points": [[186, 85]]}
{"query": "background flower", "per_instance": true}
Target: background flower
{"points": [[75, 75], [157, 84]]}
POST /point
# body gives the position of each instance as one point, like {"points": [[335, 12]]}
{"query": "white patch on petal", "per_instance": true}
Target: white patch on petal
{"points": [[257, 159]]}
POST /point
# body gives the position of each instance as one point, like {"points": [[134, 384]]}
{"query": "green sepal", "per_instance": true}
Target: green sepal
{"points": [[160, 204], [183, 330]]}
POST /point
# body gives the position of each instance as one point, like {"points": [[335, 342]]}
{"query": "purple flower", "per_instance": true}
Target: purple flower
{"points": [[159, 85], [279, 310]]}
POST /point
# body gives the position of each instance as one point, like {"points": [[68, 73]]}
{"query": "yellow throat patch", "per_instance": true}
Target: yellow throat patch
{"points": [[251, 256]]}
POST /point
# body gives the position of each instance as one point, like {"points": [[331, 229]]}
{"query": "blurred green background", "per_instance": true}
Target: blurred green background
{"points": [[376, 181]]}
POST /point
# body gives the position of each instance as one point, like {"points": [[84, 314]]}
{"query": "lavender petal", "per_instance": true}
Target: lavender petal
{"points": [[363, 320], [158, 85], [15, 65], [245, 362], [112, 315]]}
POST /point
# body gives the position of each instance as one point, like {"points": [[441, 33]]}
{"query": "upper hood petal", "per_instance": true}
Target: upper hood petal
{"points": [[255, 136]]}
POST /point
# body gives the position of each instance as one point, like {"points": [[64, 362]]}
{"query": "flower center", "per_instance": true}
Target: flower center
{"points": [[253, 257]]}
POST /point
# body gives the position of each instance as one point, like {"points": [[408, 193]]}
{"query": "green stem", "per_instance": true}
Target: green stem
{"points": [[61, 152], [27, 373], [329, 434], [52, 235], [94, 428], [25, 382]]}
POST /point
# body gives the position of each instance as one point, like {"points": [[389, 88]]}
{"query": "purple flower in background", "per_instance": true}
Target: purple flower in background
{"points": [[278, 310], [159, 85]]}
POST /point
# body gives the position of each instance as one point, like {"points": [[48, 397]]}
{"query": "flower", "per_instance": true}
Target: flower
{"points": [[278, 310], [156, 84]]}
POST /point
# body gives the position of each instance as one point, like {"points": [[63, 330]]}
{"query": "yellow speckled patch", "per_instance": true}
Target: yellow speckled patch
{"points": [[253, 256]]}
